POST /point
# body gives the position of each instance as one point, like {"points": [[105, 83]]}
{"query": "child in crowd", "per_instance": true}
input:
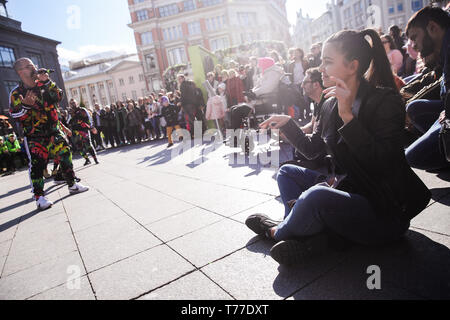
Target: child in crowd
{"points": [[170, 113]]}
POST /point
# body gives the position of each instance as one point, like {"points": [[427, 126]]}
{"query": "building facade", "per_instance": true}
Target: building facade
{"points": [[106, 80], [379, 14], [302, 31], [327, 24], [15, 44], [165, 29], [356, 15]]}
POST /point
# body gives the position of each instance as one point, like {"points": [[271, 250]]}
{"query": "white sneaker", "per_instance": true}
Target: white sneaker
{"points": [[43, 203], [78, 188]]}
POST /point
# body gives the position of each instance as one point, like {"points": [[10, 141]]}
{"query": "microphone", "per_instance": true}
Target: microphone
{"points": [[42, 71]]}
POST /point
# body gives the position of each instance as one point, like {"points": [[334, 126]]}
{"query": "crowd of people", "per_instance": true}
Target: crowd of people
{"points": [[361, 110]]}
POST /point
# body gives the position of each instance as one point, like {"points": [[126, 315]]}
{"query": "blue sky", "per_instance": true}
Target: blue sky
{"points": [[102, 23]]}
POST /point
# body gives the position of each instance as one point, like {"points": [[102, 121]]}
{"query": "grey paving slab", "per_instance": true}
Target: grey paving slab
{"points": [[112, 241], [78, 289], [435, 218], [4, 248], [8, 232], [92, 213], [43, 225], [2, 263], [213, 242], [145, 205], [40, 278], [194, 286], [29, 249], [139, 274], [183, 223], [251, 273]]}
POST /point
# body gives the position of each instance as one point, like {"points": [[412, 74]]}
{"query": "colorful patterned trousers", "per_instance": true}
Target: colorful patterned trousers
{"points": [[39, 151], [83, 143]]}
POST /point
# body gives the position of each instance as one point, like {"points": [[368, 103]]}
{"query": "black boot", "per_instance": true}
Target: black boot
{"points": [[88, 162]]}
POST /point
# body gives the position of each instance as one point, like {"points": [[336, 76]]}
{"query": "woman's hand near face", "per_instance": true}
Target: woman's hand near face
{"points": [[345, 99], [275, 122]]}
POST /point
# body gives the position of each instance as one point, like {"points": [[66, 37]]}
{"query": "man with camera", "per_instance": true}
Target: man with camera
{"points": [[34, 104]]}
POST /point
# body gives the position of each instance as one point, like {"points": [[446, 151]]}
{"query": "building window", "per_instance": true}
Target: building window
{"points": [[416, 5], [141, 77], [10, 86], [147, 38], [150, 61], [247, 19], [101, 86], [207, 3], [138, 1], [113, 98], [189, 5], [172, 33], [194, 28], [83, 90], [218, 44], [217, 23], [36, 58], [168, 10], [110, 84], [7, 57], [134, 94], [121, 82], [176, 56], [131, 80], [357, 7], [104, 101], [142, 15], [124, 96], [400, 7]]}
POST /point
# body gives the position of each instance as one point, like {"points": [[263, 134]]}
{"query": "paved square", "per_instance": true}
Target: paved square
{"points": [[156, 227]]}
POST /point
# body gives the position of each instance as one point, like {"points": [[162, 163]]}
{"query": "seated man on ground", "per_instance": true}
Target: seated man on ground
{"points": [[429, 29]]}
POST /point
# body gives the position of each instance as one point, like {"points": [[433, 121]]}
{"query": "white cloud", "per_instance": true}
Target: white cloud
{"points": [[66, 55]]}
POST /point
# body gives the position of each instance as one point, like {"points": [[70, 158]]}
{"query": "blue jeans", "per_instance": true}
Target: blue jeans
{"points": [[319, 209], [425, 153], [423, 113]]}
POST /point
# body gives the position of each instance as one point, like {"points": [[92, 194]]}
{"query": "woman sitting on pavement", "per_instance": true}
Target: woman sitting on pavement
{"points": [[373, 193]]}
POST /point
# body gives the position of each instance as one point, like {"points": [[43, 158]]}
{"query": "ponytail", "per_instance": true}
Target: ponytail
{"points": [[380, 71], [374, 64]]}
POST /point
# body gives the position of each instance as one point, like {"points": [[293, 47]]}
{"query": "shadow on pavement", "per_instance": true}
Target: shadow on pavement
{"points": [[415, 267]]}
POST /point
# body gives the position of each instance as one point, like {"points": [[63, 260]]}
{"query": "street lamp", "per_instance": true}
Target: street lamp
{"points": [[3, 9]]}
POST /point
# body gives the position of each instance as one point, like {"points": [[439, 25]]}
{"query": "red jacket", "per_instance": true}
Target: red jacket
{"points": [[235, 89]]}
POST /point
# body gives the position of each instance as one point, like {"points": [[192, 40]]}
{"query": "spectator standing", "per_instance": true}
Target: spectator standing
{"points": [[394, 55], [170, 113]]}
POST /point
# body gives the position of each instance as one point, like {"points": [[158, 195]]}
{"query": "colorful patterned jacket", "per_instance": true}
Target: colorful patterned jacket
{"points": [[41, 119], [81, 120]]}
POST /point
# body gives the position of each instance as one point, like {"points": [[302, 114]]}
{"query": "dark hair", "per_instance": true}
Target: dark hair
{"points": [[396, 32], [422, 18], [315, 75], [391, 41], [374, 64]]}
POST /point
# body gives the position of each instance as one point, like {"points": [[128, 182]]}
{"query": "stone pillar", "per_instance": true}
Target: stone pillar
{"points": [[97, 94], [108, 97], [89, 94]]}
